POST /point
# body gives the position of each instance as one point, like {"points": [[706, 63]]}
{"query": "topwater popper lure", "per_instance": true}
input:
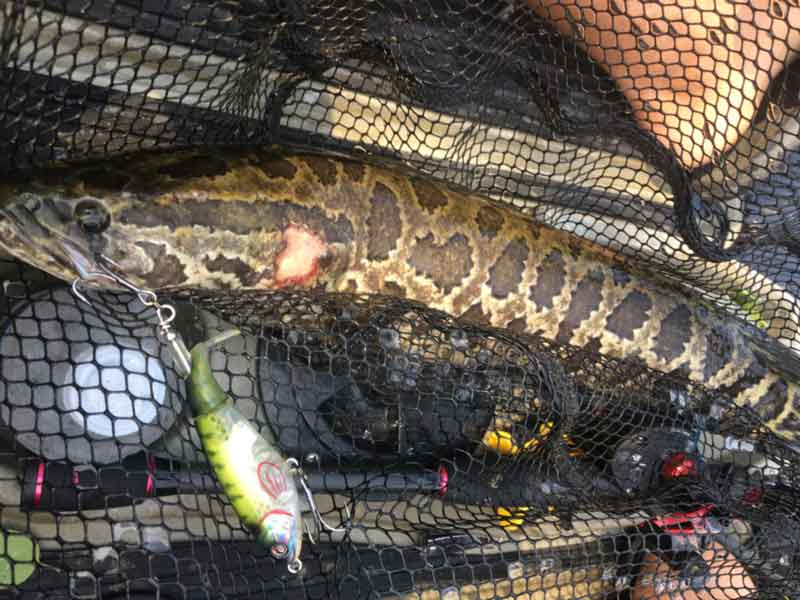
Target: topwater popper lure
{"points": [[259, 482]]}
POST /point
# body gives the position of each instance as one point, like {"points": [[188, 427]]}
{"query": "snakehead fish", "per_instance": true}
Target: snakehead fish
{"points": [[256, 218]]}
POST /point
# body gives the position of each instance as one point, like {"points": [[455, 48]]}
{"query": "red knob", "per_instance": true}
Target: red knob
{"points": [[678, 465]]}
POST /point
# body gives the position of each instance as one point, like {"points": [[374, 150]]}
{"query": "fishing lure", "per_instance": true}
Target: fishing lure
{"points": [[260, 483]]}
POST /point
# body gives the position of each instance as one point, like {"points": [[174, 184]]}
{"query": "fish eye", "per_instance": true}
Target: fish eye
{"points": [[279, 550], [92, 217]]}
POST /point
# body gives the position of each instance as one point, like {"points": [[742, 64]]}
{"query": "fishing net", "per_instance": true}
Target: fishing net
{"points": [[446, 460], [663, 133]]}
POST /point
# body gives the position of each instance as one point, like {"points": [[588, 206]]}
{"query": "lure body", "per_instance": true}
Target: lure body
{"points": [[255, 477]]}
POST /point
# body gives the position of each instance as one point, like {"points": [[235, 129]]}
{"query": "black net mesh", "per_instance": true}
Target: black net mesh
{"points": [[447, 459], [644, 128]]}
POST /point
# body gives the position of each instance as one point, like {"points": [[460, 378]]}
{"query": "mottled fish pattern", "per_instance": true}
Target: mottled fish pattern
{"points": [[257, 218]]}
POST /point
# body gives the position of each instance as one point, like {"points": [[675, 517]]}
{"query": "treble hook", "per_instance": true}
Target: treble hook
{"points": [[318, 518], [104, 272], [147, 297], [76, 285]]}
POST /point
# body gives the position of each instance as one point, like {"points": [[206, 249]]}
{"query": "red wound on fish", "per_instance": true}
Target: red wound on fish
{"points": [[298, 262]]}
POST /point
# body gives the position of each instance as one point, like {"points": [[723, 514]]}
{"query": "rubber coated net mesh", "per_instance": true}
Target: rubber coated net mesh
{"points": [[661, 131], [444, 459]]}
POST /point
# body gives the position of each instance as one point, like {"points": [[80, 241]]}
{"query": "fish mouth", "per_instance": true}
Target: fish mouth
{"points": [[37, 232]]}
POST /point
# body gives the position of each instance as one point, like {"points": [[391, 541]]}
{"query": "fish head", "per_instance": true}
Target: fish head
{"points": [[36, 229], [65, 235], [59, 233], [164, 227], [281, 532]]}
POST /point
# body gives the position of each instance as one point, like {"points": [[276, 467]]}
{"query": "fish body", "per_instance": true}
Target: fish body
{"points": [[255, 477], [257, 218]]}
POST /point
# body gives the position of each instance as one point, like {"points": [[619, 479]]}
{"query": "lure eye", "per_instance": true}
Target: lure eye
{"points": [[280, 550]]}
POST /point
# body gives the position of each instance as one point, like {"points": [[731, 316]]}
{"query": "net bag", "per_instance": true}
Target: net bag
{"points": [[443, 458], [528, 104]]}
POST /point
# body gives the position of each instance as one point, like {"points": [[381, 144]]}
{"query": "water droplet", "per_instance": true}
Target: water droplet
{"points": [[389, 339], [349, 312], [716, 410], [516, 570], [450, 593], [462, 394], [398, 363], [459, 339], [546, 565]]}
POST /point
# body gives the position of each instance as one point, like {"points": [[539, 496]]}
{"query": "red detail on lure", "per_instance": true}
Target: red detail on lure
{"points": [[277, 511], [298, 262], [271, 478]]}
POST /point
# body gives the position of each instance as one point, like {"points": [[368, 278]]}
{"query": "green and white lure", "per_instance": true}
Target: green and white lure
{"points": [[260, 483]]}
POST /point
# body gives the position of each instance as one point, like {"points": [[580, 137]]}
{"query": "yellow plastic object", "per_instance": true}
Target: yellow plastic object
{"points": [[502, 441], [517, 513]]}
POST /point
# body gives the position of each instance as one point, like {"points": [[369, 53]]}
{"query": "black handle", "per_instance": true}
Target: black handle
{"points": [[62, 487], [56, 486], [382, 485]]}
